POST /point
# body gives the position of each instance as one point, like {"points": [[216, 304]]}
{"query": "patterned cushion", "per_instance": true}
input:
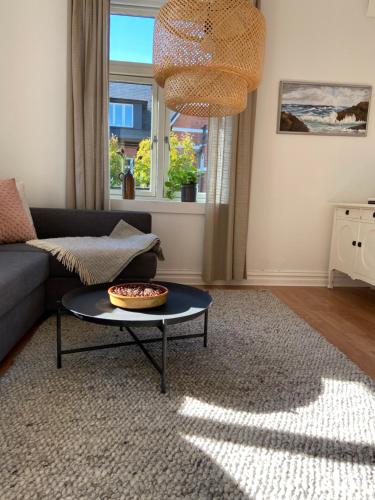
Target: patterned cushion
{"points": [[15, 225]]}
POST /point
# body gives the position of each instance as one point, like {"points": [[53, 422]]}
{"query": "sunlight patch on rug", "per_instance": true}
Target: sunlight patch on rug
{"points": [[288, 476], [343, 398]]}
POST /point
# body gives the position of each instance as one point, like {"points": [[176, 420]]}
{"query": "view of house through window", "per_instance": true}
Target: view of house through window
{"points": [[130, 124], [158, 145]]}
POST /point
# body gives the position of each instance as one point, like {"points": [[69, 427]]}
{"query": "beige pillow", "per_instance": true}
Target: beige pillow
{"points": [[15, 225], [22, 193]]}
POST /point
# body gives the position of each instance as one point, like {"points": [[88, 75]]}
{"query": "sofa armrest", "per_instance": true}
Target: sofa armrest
{"points": [[59, 222]]}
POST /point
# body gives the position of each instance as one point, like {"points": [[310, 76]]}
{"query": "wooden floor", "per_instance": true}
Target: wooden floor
{"points": [[344, 316]]}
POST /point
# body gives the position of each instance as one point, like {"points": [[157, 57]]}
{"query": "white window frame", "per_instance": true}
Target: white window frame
{"points": [[146, 8], [122, 71]]}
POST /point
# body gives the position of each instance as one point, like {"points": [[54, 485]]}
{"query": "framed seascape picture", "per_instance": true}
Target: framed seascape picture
{"points": [[323, 109]]}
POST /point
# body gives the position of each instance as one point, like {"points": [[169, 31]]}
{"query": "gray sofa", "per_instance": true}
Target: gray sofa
{"points": [[31, 280]]}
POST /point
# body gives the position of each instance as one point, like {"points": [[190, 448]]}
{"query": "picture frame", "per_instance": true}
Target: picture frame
{"points": [[329, 109]]}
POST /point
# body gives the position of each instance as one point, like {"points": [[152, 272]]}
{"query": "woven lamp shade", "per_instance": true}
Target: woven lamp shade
{"points": [[208, 55]]}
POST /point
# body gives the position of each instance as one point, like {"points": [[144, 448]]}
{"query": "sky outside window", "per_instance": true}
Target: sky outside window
{"points": [[131, 38]]}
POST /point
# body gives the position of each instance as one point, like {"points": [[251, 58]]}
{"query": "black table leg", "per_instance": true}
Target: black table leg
{"points": [[58, 334], [163, 383], [205, 334]]}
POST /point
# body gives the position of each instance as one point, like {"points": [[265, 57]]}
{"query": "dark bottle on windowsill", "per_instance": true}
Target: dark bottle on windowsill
{"points": [[128, 185]]}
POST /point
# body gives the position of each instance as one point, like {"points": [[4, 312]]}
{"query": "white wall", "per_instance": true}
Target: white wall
{"points": [[182, 238], [294, 177], [33, 35], [181, 235]]}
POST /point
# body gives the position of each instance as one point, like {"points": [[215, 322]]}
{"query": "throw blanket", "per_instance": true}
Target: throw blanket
{"points": [[100, 259]]}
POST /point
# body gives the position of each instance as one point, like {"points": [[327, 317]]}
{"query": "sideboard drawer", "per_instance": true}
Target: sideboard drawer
{"points": [[368, 215], [348, 213]]}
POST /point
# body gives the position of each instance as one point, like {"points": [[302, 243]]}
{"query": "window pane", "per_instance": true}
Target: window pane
{"points": [[128, 122], [111, 114], [131, 130], [118, 115], [189, 144], [131, 38]]}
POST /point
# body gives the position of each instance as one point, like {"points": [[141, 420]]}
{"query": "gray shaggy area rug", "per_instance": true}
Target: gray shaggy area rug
{"points": [[269, 410]]}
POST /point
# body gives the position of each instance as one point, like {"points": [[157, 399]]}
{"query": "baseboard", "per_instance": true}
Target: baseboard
{"points": [[263, 278], [300, 278], [184, 276], [287, 278]]}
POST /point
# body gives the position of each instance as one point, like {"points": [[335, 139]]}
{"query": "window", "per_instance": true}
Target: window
{"points": [[191, 133], [153, 140], [131, 127], [121, 115], [131, 38]]}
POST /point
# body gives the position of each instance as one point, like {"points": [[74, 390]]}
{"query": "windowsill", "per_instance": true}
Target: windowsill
{"points": [[158, 206]]}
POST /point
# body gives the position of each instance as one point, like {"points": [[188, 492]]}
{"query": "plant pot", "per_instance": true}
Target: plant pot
{"points": [[189, 192]]}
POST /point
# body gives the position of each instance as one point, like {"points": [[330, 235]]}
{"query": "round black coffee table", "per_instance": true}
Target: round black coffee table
{"points": [[92, 304]]}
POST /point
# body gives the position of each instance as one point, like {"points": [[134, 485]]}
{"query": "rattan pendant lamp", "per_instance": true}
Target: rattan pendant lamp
{"points": [[208, 55]]}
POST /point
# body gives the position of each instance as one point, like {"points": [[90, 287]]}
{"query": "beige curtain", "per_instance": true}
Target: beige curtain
{"points": [[87, 182], [228, 195], [230, 154]]}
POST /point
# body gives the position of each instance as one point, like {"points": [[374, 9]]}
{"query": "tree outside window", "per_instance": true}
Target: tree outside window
{"points": [[182, 160]]}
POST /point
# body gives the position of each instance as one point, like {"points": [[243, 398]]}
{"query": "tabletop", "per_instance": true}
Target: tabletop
{"points": [[91, 303]]}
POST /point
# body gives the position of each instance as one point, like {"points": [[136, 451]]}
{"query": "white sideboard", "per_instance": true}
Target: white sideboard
{"points": [[353, 242]]}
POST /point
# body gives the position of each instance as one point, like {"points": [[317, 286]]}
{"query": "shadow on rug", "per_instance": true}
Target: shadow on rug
{"points": [[269, 410]]}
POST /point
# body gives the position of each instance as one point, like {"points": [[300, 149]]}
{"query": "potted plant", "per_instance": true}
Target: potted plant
{"points": [[184, 180], [183, 173], [189, 182]]}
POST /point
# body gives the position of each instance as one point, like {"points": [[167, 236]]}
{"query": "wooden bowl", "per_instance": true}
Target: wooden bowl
{"points": [[127, 302]]}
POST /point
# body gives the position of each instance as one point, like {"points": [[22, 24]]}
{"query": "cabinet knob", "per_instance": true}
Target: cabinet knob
{"points": [[354, 243], [359, 244], [347, 212]]}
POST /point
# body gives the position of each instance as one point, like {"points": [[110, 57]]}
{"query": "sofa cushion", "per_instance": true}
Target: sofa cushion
{"points": [[20, 274], [20, 247], [143, 266], [60, 222]]}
